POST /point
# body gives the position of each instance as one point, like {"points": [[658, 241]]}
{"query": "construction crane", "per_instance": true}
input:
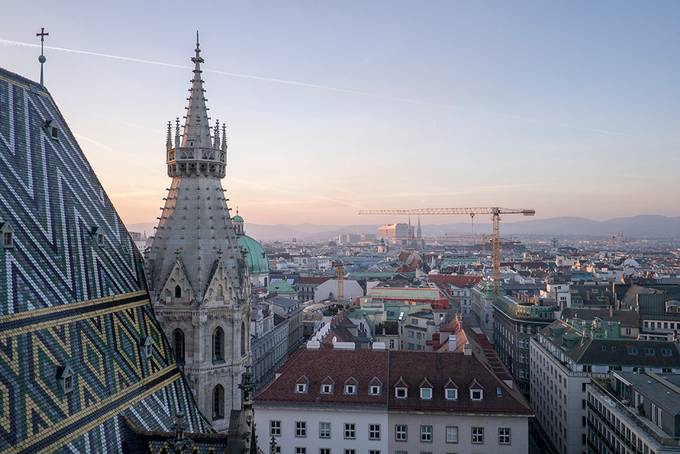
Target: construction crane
{"points": [[495, 213]]}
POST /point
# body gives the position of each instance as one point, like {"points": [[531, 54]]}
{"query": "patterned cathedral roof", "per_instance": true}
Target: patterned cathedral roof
{"points": [[83, 361]]}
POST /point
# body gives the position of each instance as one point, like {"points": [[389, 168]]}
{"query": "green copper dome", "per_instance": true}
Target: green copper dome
{"points": [[255, 256], [237, 218]]}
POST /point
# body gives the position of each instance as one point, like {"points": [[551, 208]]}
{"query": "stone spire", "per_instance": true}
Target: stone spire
{"points": [[197, 275], [224, 143], [168, 139], [194, 152], [196, 127], [216, 141]]}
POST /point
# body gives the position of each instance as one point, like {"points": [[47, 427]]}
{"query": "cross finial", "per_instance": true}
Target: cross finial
{"points": [[42, 58]]}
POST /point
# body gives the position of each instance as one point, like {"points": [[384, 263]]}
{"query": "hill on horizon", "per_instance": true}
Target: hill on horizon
{"points": [[642, 226]]}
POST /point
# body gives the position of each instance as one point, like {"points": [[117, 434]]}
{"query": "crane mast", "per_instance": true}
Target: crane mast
{"points": [[495, 213]]}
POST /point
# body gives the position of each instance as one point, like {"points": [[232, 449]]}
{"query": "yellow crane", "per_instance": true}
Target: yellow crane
{"points": [[495, 213]]}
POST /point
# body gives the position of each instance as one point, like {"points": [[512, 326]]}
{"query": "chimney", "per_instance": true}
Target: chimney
{"points": [[452, 342], [313, 345], [467, 349]]}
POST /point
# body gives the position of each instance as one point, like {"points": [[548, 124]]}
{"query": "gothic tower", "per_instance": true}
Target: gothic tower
{"points": [[197, 275]]}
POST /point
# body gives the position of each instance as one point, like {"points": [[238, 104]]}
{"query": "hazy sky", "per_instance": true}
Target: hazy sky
{"points": [[571, 108]]}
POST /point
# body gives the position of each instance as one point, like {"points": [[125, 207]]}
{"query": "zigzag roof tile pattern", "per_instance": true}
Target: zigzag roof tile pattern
{"points": [[80, 347]]}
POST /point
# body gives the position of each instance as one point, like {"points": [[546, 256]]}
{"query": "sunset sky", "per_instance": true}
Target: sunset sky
{"points": [[571, 108]]}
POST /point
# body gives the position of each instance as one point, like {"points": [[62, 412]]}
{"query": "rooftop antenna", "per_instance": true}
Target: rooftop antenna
{"points": [[42, 58]]}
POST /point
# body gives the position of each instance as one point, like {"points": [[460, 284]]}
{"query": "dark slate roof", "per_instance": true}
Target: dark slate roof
{"points": [[68, 300], [614, 352], [285, 303], [627, 318], [650, 301], [655, 388]]}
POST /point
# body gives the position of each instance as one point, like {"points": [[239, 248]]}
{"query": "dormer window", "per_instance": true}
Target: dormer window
{"points": [[327, 386], [476, 390], [51, 129], [425, 390], [65, 379], [301, 385], [426, 393], [401, 389], [375, 387], [451, 394], [7, 235], [351, 386], [451, 390], [147, 347]]}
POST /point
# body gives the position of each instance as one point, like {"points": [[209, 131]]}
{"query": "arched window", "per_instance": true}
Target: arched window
{"points": [[178, 343], [218, 344], [243, 339], [218, 402], [178, 291]]}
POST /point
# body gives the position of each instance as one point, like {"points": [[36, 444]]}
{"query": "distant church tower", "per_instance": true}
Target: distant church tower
{"points": [[198, 278]]}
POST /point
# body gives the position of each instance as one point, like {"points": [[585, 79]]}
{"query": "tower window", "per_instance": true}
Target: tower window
{"points": [[65, 379], [178, 342], [97, 235], [7, 235], [51, 130], [218, 402], [218, 344], [178, 291]]}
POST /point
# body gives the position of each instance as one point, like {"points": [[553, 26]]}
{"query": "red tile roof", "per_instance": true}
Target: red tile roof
{"points": [[339, 365], [312, 279], [391, 367], [438, 369], [457, 280]]}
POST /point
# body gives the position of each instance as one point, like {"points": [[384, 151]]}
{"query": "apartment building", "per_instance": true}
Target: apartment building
{"points": [[515, 323], [378, 401], [564, 359], [634, 413]]}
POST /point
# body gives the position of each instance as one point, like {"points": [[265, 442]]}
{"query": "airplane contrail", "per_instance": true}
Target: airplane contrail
{"points": [[329, 88]]}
